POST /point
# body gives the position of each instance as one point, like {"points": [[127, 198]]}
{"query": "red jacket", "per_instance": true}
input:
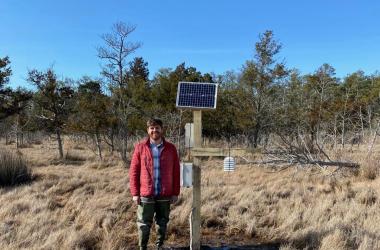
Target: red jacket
{"points": [[141, 180]]}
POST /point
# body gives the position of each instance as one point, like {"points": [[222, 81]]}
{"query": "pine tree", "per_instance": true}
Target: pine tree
{"points": [[90, 112], [259, 77], [53, 102]]}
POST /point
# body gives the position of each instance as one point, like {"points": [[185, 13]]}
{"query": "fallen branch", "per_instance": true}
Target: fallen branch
{"points": [[337, 164], [307, 162]]}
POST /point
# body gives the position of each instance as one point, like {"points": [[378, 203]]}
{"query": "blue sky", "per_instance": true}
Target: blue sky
{"points": [[213, 36]]}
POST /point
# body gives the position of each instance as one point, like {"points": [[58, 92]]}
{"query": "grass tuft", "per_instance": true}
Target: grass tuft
{"points": [[74, 157], [13, 169]]}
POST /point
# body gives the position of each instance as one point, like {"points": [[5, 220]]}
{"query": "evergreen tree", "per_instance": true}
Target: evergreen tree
{"points": [[139, 92], [5, 73], [90, 114], [165, 84], [12, 103], [53, 102], [259, 77], [320, 88]]}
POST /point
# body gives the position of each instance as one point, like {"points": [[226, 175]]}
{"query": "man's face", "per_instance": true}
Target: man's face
{"points": [[155, 132]]}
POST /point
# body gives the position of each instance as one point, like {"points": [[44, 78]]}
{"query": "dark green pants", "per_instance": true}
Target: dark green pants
{"points": [[145, 214]]}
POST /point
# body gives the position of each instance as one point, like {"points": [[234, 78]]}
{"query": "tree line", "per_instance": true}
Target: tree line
{"points": [[264, 98]]}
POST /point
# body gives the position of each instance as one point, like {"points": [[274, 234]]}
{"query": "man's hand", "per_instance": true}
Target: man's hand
{"points": [[173, 199], [136, 199]]}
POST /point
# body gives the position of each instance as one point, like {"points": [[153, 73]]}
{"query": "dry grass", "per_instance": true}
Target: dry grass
{"points": [[88, 206]]}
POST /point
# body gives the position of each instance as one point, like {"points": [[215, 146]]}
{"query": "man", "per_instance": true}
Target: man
{"points": [[154, 182]]}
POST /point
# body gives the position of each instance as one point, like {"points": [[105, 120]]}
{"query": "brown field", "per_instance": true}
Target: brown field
{"points": [[83, 203]]}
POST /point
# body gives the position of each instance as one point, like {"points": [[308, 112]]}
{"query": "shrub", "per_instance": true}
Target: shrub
{"points": [[13, 169], [370, 169]]}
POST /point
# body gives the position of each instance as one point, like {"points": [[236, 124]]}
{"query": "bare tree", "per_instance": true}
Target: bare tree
{"points": [[115, 52]]}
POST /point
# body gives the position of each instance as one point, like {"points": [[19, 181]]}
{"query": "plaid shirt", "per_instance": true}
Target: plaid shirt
{"points": [[156, 152]]}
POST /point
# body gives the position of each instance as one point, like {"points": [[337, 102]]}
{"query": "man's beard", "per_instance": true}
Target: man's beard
{"points": [[155, 136]]}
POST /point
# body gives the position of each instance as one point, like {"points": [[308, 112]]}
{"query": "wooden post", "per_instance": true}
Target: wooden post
{"points": [[195, 241], [197, 120]]}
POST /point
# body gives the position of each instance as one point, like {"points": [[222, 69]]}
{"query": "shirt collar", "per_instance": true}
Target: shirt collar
{"points": [[152, 144]]}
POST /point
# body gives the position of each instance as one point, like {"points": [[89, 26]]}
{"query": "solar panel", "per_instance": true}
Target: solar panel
{"points": [[196, 95]]}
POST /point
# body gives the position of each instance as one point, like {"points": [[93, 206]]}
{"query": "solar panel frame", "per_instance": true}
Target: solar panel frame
{"points": [[200, 107]]}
